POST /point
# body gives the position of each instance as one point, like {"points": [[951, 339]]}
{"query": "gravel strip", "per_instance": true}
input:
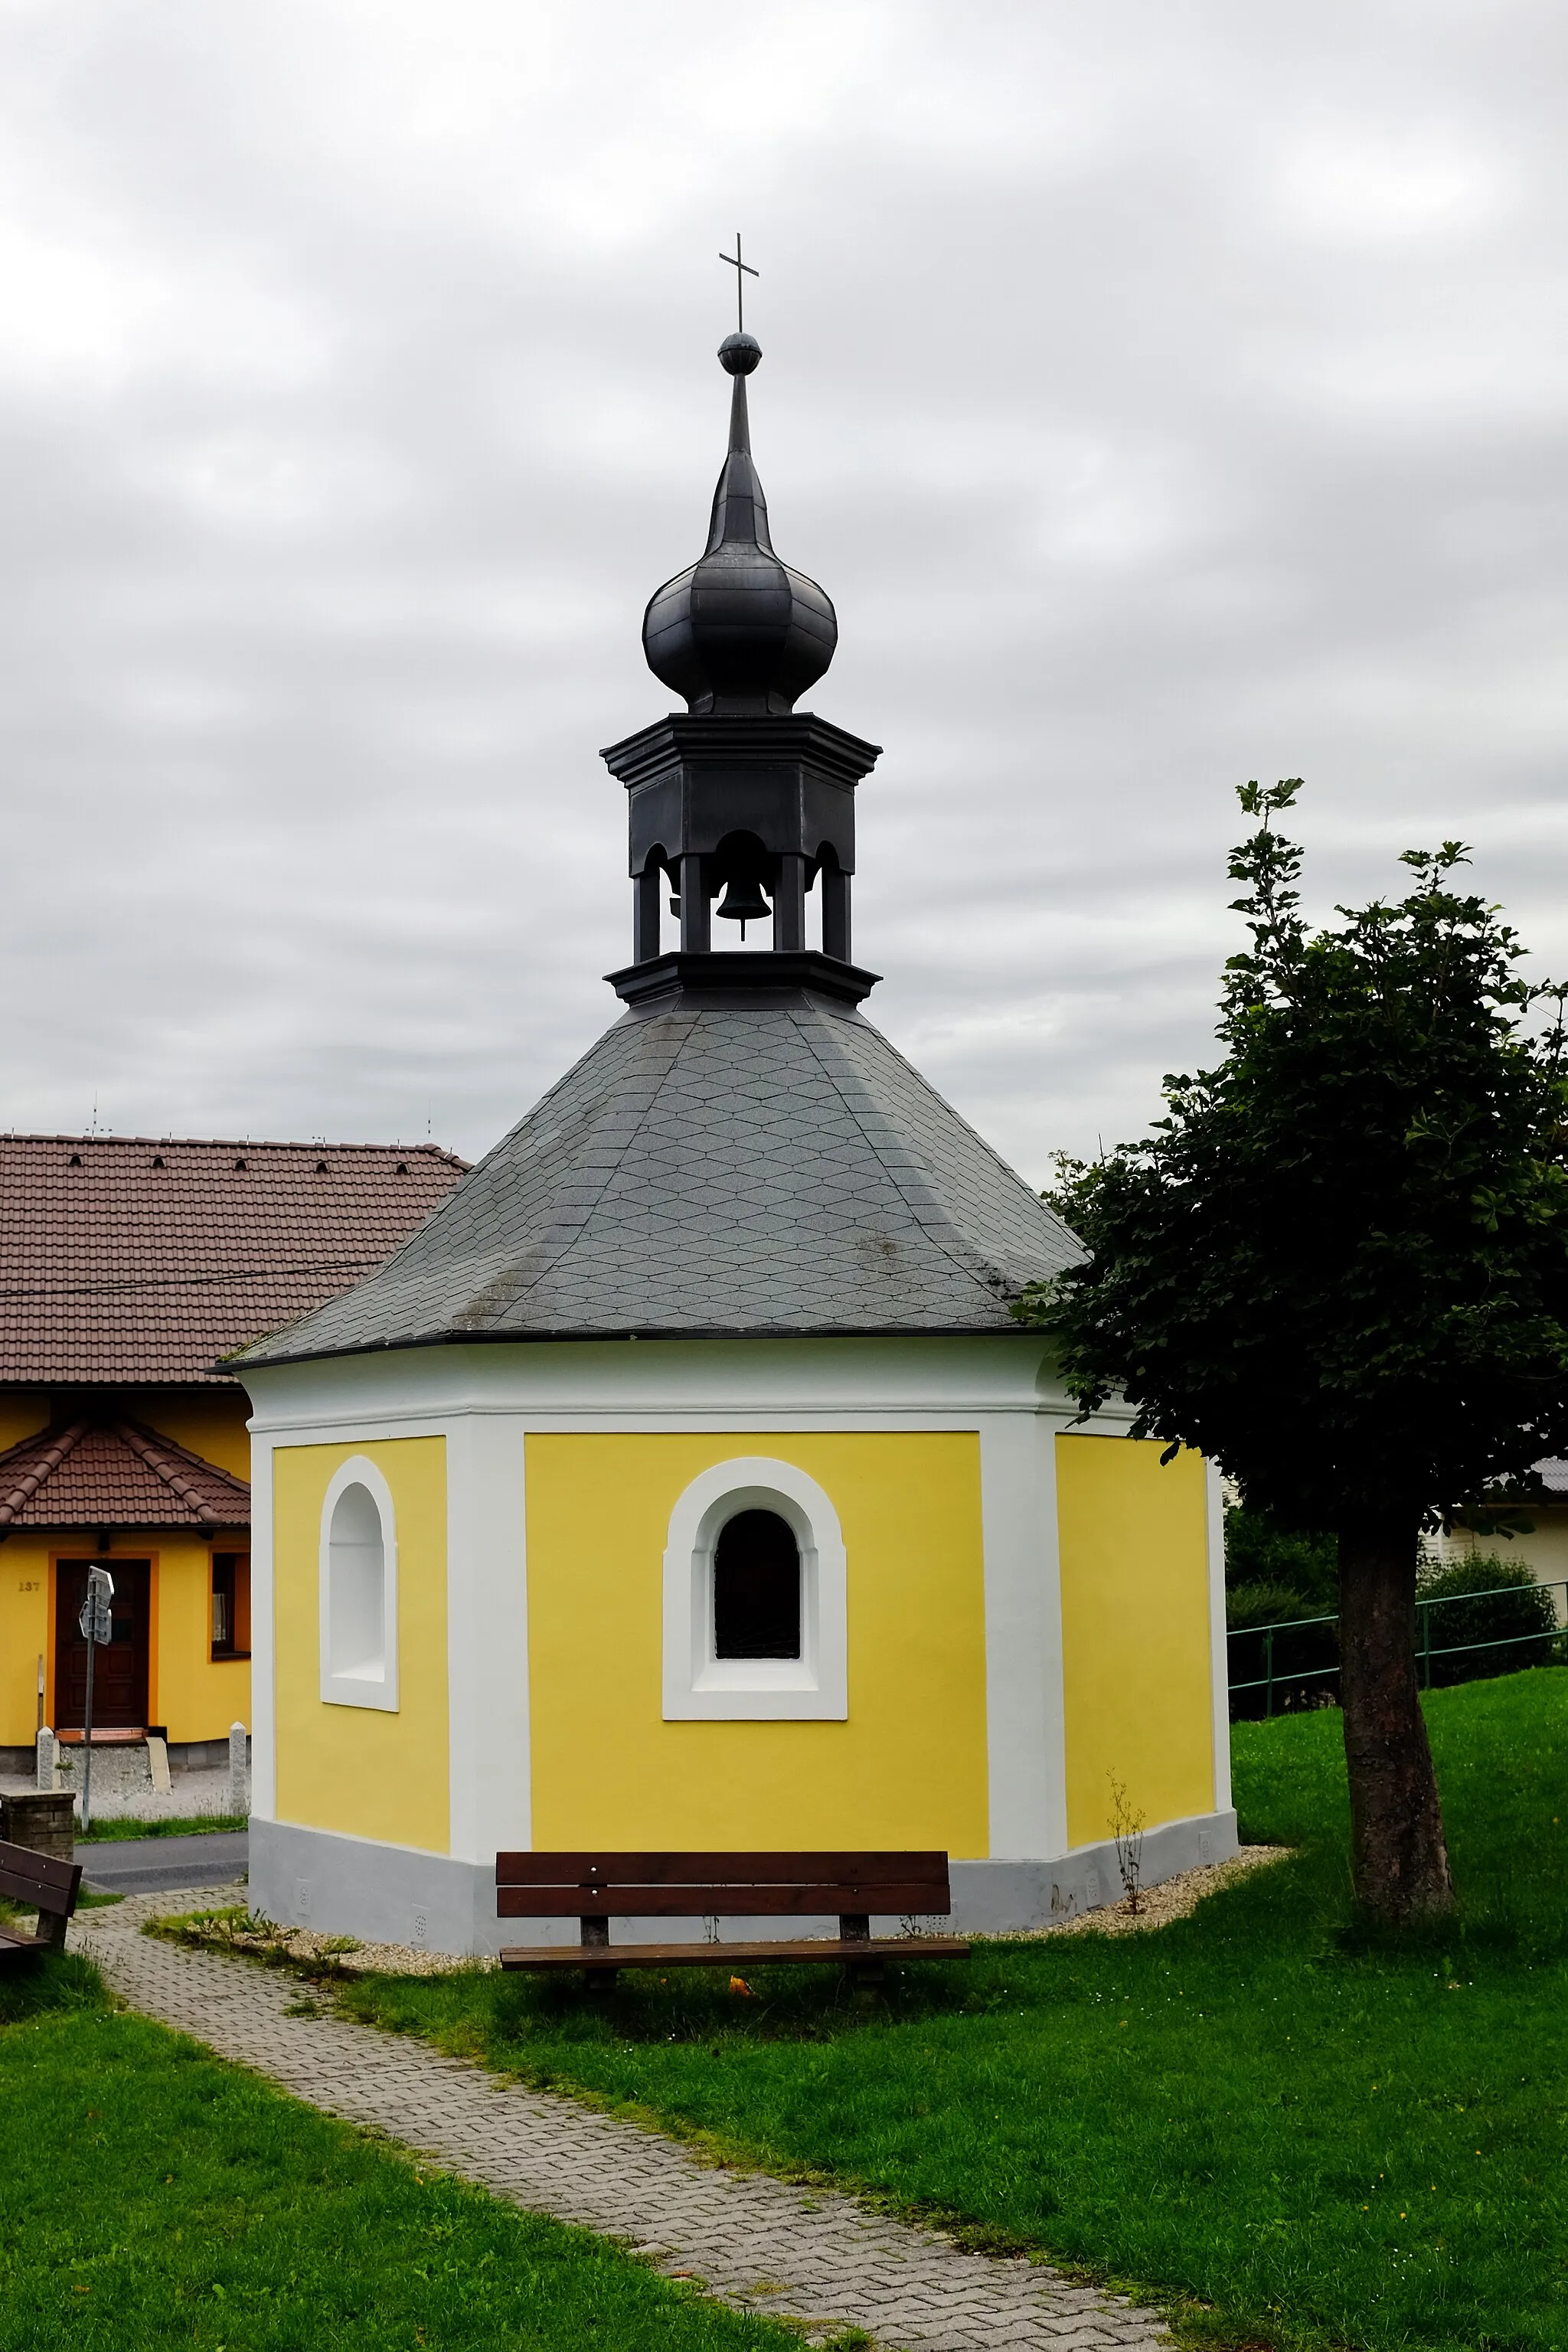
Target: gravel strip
{"points": [[1173, 1898], [216, 1929]]}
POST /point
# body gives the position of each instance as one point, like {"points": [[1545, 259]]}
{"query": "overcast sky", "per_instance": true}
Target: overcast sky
{"points": [[1165, 393]]}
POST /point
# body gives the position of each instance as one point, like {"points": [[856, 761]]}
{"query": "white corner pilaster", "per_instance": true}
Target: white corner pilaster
{"points": [[1219, 1649], [263, 1641], [490, 1794], [1026, 1749]]}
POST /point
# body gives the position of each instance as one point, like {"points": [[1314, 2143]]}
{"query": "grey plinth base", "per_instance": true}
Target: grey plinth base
{"points": [[396, 1895], [998, 1898]]}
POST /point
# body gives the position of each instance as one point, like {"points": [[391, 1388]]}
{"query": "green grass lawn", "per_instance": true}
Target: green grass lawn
{"points": [[1327, 2138], [152, 2197], [104, 1833]]}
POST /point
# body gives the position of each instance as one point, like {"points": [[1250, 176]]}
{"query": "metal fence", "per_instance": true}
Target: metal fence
{"points": [[1283, 1677]]}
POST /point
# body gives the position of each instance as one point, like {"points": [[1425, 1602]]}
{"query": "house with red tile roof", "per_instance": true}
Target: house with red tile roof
{"points": [[130, 1269]]}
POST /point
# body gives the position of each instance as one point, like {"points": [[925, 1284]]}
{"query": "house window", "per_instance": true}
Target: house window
{"points": [[231, 1604], [358, 1574], [756, 1587], [755, 1599]]}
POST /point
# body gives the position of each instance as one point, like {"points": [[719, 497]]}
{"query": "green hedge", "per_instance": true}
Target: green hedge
{"points": [[1502, 1603]]}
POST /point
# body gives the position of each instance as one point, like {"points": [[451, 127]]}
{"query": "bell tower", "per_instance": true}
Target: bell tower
{"points": [[742, 804]]}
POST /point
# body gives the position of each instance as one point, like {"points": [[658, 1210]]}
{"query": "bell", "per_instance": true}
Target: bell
{"points": [[743, 903]]}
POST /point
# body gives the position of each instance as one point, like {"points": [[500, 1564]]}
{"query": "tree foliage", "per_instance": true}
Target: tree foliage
{"points": [[1339, 1263], [1339, 1267]]}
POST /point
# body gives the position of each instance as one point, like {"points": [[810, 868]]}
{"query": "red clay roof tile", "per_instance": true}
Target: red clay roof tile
{"points": [[115, 1474], [126, 1259]]}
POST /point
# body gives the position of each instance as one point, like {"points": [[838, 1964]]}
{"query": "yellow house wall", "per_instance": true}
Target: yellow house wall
{"points": [[193, 1694], [22, 1412], [26, 1615], [361, 1771], [907, 1768], [210, 1422], [1136, 1662]]}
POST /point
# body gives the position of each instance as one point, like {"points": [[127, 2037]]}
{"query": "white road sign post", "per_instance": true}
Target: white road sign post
{"points": [[96, 1625]]}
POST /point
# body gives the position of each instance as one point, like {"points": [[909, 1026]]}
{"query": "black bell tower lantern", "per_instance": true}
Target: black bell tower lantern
{"points": [[742, 803]]}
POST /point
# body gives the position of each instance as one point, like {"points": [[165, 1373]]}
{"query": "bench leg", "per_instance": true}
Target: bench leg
{"points": [[854, 1927], [595, 1932]]}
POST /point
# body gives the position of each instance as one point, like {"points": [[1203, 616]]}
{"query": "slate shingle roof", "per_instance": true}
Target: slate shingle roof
{"points": [[714, 1168], [115, 1474], [127, 1260]]}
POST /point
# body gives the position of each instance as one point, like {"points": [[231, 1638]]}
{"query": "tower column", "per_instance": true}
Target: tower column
{"points": [[645, 915], [835, 913], [696, 927], [789, 902], [741, 799]]}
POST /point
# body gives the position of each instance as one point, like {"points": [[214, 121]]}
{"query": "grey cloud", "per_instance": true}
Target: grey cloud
{"points": [[1165, 396]]}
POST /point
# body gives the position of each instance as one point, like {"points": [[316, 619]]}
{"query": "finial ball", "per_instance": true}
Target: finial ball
{"points": [[739, 355]]}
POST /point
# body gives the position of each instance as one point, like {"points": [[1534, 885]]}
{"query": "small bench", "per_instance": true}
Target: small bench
{"points": [[595, 1888], [42, 1885]]}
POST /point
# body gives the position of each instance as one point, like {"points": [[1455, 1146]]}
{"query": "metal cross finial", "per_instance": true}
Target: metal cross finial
{"points": [[742, 271]]}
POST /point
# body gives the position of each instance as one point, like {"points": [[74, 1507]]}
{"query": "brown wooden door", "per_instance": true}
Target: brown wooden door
{"points": [[120, 1669]]}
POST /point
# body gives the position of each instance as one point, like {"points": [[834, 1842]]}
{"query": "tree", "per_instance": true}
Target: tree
{"points": [[1339, 1267]]}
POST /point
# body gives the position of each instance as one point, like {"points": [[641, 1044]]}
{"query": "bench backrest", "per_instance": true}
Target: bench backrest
{"points": [[694, 1886], [39, 1880]]}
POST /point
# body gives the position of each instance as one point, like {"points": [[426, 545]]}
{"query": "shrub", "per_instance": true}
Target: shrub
{"points": [[1274, 1577], [1272, 1573], [1500, 1603]]}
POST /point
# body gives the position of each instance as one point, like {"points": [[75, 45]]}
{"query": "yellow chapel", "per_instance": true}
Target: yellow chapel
{"points": [[684, 1482]]}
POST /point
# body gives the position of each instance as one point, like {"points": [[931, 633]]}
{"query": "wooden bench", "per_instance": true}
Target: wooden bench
{"points": [[595, 1888], [44, 1885]]}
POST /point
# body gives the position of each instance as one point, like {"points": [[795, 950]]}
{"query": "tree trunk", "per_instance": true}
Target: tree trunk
{"points": [[1399, 1859]]}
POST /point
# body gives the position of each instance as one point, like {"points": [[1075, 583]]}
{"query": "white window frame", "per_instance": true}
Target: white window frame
{"points": [[701, 1688], [378, 1691]]}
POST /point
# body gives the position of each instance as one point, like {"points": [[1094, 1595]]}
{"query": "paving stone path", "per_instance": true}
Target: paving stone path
{"points": [[809, 2255]]}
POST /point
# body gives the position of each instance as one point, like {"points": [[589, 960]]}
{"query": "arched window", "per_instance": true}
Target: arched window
{"points": [[359, 1590], [358, 1572], [756, 1587], [755, 1599]]}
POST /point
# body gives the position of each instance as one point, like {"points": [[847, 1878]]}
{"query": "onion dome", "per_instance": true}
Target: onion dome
{"points": [[739, 630]]}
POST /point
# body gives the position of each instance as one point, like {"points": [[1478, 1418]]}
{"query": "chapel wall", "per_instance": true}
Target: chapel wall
{"points": [[359, 1770], [1137, 1652], [907, 1767]]}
